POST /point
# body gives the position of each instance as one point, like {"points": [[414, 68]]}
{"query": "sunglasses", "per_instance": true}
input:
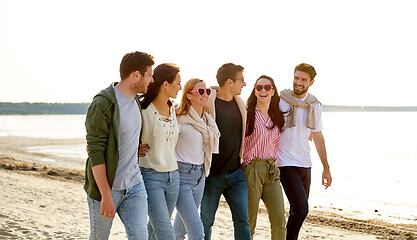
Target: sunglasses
{"points": [[259, 87], [201, 91]]}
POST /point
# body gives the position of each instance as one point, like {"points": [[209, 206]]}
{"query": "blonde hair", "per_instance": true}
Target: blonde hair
{"points": [[185, 103]]}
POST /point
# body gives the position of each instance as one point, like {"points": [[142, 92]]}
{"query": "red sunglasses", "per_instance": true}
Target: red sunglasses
{"points": [[259, 87], [201, 91]]}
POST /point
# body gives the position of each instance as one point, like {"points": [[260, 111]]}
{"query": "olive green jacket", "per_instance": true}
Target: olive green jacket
{"points": [[102, 125]]}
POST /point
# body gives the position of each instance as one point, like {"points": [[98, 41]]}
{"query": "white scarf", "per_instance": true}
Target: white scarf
{"points": [[286, 94], [208, 128]]}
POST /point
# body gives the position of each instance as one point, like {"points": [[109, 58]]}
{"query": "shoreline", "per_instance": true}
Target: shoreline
{"points": [[320, 223]]}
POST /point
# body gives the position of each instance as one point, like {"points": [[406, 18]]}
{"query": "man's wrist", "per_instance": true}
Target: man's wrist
{"points": [[106, 195]]}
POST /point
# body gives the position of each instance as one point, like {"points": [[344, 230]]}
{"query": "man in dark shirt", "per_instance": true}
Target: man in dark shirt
{"points": [[226, 176], [229, 122]]}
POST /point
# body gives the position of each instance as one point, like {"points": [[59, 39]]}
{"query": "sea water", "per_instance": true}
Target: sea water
{"points": [[372, 157], [373, 160]]}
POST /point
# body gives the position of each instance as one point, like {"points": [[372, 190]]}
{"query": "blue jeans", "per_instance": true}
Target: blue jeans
{"points": [[132, 208], [191, 192], [234, 189], [162, 189], [296, 183]]}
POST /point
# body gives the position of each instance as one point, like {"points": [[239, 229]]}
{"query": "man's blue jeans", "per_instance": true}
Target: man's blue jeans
{"points": [[162, 189], [191, 192], [132, 208], [296, 183], [234, 189]]}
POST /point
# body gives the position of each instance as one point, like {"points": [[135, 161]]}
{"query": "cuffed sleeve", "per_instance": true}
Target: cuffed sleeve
{"points": [[97, 125]]}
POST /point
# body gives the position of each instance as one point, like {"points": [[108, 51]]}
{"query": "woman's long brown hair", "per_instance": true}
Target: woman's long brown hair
{"points": [[274, 112]]}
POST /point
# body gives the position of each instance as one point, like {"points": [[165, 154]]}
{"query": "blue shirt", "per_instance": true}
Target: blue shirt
{"points": [[128, 172]]}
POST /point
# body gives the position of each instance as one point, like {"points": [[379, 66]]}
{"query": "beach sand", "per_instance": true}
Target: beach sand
{"points": [[46, 201]]}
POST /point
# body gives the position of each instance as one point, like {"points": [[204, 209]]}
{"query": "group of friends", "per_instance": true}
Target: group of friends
{"points": [[147, 156]]}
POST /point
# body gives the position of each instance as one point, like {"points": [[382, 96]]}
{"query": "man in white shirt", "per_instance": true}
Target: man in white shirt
{"points": [[303, 123]]}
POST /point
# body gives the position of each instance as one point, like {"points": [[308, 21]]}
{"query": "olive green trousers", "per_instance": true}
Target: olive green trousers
{"points": [[262, 178]]}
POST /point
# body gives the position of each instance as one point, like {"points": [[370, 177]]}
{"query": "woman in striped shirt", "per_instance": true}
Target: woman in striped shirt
{"points": [[264, 124]]}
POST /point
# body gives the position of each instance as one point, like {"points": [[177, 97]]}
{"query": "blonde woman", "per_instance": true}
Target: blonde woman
{"points": [[197, 140]]}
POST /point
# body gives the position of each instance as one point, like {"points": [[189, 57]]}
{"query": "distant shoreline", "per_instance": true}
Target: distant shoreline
{"points": [[335, 108], [26, 108]]}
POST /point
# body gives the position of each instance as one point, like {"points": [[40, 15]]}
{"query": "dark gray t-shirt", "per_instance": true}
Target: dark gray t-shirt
{"points": [[128, 171]]}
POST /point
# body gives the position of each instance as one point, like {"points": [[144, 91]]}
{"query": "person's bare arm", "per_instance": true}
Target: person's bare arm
{"points": [[326, 179], [107, 204]]}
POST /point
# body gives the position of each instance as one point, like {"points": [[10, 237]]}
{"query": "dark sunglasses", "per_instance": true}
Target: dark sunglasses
{"points": [[259, 87], [201, 91]]}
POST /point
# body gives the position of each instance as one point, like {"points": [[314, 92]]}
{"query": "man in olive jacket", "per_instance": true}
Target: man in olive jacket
{"points": [[113, 180]]}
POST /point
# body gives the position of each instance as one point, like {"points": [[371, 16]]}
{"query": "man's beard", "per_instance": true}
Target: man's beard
{"points": [[299, 91]]}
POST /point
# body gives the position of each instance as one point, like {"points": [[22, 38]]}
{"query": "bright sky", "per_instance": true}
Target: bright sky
{"points": [[67, 51]]}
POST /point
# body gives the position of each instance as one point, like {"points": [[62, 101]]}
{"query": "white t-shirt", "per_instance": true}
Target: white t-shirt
{"points": [[294, 149], [190, 146]]}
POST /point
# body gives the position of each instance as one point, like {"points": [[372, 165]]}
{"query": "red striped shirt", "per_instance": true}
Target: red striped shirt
{"points": [[262, 143]]}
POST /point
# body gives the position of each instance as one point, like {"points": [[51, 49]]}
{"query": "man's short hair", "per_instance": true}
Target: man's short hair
{"points": [[227, 71], [135, 61], [307, 68]]}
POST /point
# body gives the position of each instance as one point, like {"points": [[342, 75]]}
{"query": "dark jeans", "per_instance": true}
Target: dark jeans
{"points": [[296, 183], [234, 189]]}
